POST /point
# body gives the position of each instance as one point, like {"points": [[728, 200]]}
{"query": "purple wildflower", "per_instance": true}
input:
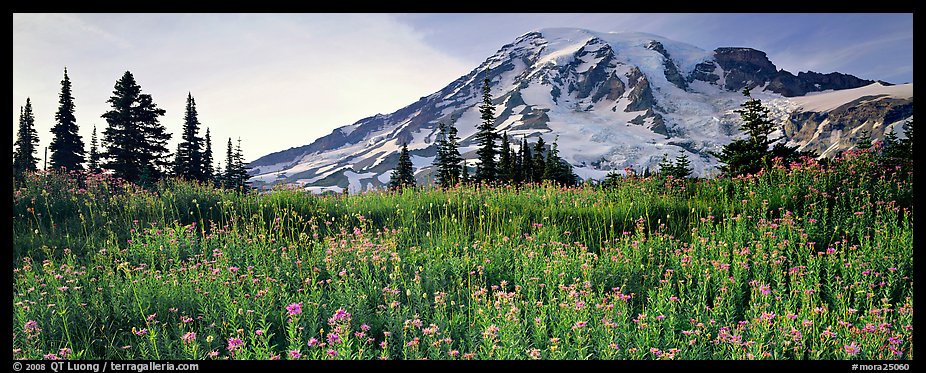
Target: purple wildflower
{"points": [[852, 349], [294, 309], [234, 343]]}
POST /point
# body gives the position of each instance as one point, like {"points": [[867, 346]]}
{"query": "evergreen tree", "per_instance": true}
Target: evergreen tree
{"points": [[515, 167], [208, 172], [447, 162], [228, 178], [67, 148], [190, 150], [527, 162], [611, 179], [236, 175], [404, 175], [898, 153], [94, 162], [27, 141], [666, 167], [486, 171], [241, 172], [751, 154], [136, 142], [864, 141], [177, 166], [464, 174], [682, 167], [540, 163], [218, 178], [557, 169], [505, 162]]}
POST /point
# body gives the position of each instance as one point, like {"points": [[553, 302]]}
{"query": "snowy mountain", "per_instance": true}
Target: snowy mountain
{"points": [[609, 100]]}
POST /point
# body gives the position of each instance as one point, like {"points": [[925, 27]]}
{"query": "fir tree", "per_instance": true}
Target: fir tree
{"points": [[208, 171], [136, 142], [228, 178], [682, 167], [241, 172], [611, 179], [539, 161], [506, 161], [666, 167], [898, 153], [27, 141], [864, 140], [749, 155], [404, 175], [93, 163], [527, 162], [464, 174], [236, 175], [67, 148], [516, 172], [486, 171], [177, 169], [190, 150], [558, 170], [447, 162]]}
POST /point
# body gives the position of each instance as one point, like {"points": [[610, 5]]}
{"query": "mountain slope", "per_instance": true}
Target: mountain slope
{"points": [[610, 100]]}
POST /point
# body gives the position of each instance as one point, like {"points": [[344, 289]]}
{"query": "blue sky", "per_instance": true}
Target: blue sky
{"points": [[283, 80]]}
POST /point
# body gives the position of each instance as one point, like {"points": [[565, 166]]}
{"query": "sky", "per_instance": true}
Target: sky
{"points": [[282, 80]]}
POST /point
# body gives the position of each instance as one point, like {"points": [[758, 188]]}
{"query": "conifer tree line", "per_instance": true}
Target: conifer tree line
{"points": [[497, 164], [132, 146]]}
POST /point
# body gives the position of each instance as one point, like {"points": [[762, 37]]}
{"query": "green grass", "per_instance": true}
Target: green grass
{"points": [[804, 263]]}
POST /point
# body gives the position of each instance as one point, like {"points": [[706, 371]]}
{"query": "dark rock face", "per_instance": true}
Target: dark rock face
{"points": [[842, 126], [641, 94], [704, 71], [671, 71], [835, 81], [747, 67], [744, 67]]}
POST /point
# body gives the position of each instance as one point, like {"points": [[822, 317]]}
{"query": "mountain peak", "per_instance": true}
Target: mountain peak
{"points": [[613, 99]]}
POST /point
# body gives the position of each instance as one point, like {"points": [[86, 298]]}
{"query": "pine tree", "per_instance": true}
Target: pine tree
{"points": [[464, 173], [486, 171], [898, 153], [228, 178], [682, 167], [505, 162], [755, 120], [404, 175], [516, 171], [93, 163], [208, 172], [241, 172], [67, 148], [864, 140], [190, 149], [27, 141], [218, 178], [557, 169], [136, 142], [666, 167], [539, 162], [749, 155], [527, 162], [177, 166], [447, 161]]}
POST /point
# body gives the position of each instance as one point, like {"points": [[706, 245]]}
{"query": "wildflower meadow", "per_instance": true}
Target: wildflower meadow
{"points": [[811, 261]]}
